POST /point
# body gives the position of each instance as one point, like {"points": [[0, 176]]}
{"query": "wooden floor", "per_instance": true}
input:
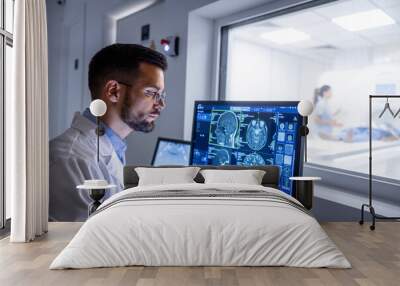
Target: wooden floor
{"points": [[375, 257]]}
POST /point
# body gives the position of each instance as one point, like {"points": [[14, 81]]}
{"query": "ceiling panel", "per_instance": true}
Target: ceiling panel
{"points": [[298, 20], [223, 8], [381, 31], [308, 44], [394, 12], [386, 3], [385, 39], [354, 43], [325, 54], [344, 8], [327, 31], [317, 23], [254, 30], [320, 55]]}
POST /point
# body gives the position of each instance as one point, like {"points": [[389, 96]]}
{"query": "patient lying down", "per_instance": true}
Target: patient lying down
{"points": [[361, 134]]}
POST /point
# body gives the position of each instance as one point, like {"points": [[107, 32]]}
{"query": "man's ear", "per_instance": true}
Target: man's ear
{"points": [[112, 91]]}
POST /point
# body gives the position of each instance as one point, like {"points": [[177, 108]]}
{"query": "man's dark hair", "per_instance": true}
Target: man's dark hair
{"points": [[120, 62]]}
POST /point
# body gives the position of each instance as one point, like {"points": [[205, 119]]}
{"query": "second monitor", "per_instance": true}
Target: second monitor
{"points": [[170, 151]]}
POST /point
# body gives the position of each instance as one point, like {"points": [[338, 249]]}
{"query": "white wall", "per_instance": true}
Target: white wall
{"points": [[75, 32], [198, 67], [257, 72], [57, 53], [354, 75]]}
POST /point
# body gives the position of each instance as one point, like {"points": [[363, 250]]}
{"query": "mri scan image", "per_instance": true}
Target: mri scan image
{"points": [[253, 159], [221, 157], [279, 159], [257, 134], [172, 153], [248, 134], [227, 127], [286, 172]]}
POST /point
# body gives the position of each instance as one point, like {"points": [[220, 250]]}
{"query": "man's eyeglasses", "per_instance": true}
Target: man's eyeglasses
{"points": [[150, 92]]}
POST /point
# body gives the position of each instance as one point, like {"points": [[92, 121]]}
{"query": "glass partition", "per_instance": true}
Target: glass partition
{"points": [[6, 69], [9, 15], [334, 55]]}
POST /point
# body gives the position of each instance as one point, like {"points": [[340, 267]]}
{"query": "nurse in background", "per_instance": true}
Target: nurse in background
{"points": [[324, 117]]}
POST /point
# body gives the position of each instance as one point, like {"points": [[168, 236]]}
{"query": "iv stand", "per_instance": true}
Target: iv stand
{"points": [[369, 205]]}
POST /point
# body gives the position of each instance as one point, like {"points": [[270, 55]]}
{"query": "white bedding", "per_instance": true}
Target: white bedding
{"points": [[200, 231]]}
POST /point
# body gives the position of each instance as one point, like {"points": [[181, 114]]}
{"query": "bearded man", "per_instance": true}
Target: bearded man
{"points": [[130, 80]]}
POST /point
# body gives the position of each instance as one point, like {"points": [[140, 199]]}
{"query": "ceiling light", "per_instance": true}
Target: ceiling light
{"points": [[285, 36], [364, 20]]}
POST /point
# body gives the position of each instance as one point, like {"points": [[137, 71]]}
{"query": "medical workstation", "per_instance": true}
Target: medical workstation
{"points": [[213, 142]]}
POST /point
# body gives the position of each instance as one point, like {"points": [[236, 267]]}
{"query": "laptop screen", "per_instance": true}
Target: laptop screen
{"points": [[171, 152]]}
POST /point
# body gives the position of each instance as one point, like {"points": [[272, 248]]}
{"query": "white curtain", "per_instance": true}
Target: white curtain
{"points": [[27, 124]]}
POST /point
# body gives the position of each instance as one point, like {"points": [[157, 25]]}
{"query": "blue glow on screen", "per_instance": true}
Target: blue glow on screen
{"points": [[172, 153], [247, 134]]}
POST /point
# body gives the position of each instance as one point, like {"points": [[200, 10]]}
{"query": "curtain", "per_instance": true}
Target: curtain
{"points": [[27, 124]]}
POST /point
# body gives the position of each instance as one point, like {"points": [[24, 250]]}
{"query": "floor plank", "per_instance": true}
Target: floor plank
{"points": [[375, 257]]}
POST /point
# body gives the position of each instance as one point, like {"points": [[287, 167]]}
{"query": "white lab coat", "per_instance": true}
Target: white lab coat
{"points": [[73, 159]]}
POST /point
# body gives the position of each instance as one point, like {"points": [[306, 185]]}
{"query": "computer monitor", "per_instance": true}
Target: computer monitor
{"points": [[170, 151], [248, 133]]}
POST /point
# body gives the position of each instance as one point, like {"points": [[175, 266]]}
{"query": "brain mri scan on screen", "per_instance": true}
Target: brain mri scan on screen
{"points": [[248, 134]]}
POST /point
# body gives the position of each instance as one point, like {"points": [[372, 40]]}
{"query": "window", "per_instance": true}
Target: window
{"points": [[335, 54], [6, 45]]}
